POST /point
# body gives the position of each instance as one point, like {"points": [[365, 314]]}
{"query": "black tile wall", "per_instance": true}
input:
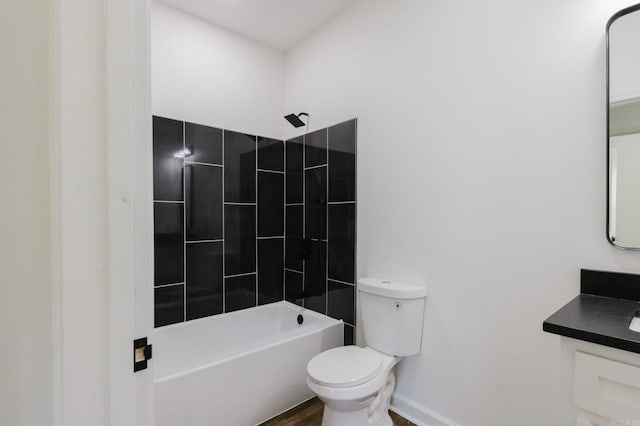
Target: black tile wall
{"points": [[168, 243], [315, 203], [315, 277], [270, 154], [315, 148], [270, 270], [167, 167], [204, 279], [239, 167], [341, 240], [239, 239], [294, 287], [270, 204], [295, 167], [257, 220], [342, 161], [208, 256], [340, 301], [203, 198], [204, 143], [349, 334], [240, 292], [293, 247], [168, 305], [320, 234]]}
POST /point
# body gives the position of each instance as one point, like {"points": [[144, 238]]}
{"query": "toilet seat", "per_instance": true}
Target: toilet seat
{"points": [[345, 366]]}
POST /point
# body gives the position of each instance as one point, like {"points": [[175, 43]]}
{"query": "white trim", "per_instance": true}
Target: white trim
{"points": [[418, 413]]}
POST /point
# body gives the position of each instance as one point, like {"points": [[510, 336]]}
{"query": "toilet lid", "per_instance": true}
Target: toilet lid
{"points": [[344, 366]]}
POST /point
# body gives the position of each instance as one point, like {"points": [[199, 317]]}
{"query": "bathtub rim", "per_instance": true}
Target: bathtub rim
{"points": [[324, 322]]}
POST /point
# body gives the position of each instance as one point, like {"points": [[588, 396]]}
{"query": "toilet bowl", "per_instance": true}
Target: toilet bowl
{"points": [[356, 383]]}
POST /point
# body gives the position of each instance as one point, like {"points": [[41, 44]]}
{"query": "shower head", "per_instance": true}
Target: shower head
{"points": [[294, 119]]}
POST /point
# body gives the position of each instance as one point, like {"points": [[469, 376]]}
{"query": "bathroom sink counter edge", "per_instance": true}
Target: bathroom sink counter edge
{"points": [[597, 319]]}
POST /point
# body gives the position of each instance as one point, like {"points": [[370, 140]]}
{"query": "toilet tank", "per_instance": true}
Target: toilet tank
{"points": [[392, 315]]}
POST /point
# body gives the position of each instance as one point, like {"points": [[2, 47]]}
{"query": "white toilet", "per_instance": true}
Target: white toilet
{"points": [[356, 383]]}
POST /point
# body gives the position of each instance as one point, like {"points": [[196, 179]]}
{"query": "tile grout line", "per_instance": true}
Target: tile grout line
{"points": [[256, 217], [184, 224], [326, 235], [203, 241], [304, 213], [244, 274], [199, 163], [224, 258], [168, 285], [293, 270], [341, 282], [284, 218]]}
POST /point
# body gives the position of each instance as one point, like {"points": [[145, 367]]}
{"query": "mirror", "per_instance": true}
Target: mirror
{"points": [[623, 124]]}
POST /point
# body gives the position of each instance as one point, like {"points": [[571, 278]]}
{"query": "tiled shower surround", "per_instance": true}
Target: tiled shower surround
{"points": [[220, 228]]}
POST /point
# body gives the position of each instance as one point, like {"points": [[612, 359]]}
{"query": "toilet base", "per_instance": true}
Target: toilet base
{"points": [[361, 417], [373, 411]]}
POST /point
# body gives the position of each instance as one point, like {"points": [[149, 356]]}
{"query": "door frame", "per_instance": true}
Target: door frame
{"points": [[102, 210]]}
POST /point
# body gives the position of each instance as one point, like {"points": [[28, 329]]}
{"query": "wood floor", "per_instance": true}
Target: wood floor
{"points": [[310, 414]]}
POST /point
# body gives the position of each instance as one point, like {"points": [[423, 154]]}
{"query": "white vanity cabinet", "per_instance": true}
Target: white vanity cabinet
{"points": [[606, 384]]}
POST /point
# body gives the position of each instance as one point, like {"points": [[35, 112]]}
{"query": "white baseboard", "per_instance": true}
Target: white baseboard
{"points": [[417, 413]]}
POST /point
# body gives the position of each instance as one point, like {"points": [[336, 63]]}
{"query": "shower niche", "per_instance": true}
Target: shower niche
{"points": [[243, 220]]}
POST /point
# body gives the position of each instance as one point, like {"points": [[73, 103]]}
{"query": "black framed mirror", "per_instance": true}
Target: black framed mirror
{"points": [[623, 128]]}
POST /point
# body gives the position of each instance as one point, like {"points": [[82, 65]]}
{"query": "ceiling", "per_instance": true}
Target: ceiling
{"points": [[277, 23]]}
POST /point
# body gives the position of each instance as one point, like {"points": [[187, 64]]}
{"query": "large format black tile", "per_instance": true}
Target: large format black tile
{"points": [[239, 239], [168, 305], [342, 242], [240, 292], [342, 162], [168, 243], [204, 279], [270, 204], [167, 169], [315, 148], [270, 154], [270, 270], [239, 167], [204, 142], [340, 302], [293, 287], [294, 170], [295, 218], [315, 282], [315, 203], [203, 198], [294, 253]]}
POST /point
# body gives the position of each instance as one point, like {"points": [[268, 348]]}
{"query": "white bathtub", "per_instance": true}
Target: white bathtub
{"points": [[240, 368]]}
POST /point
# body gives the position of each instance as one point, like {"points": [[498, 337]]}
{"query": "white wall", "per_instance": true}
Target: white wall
{"points": [[481, 173], [25, 283], [204, 74]]}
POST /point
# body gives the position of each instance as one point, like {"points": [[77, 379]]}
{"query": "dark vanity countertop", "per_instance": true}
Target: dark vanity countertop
{"points": [[597, 319], [602, 312]]}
